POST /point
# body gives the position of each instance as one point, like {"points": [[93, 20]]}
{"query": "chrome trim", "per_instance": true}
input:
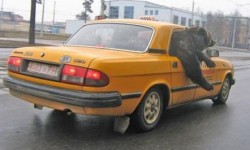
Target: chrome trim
{"points": [[182, 88], [191, 86], [131, 95]]}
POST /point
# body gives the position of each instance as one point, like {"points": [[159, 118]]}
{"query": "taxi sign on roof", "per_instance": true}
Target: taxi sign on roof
{"points": [[147, 18]]}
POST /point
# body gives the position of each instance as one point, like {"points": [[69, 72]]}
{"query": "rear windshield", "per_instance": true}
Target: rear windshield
{"points": [[115, 36]]}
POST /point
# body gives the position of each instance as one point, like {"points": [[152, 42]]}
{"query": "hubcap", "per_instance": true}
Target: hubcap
{"points": [[225, 89], [152, 108]]}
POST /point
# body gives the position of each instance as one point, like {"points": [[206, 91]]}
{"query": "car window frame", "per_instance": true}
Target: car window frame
{"points": [[170, 38]]}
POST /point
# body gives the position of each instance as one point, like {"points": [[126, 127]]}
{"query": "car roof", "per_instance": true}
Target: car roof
{"points": [[154, 24]]}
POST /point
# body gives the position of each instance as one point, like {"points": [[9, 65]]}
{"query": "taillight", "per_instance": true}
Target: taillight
{"points": [[96, 78], [14, 64], [73, 74], [83, 76]]}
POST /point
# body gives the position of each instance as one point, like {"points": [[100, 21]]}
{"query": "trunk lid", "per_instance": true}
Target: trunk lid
{"points": [[78, 56]]}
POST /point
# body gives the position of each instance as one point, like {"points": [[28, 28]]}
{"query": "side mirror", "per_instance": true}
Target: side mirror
{"points": [[213, 53]]}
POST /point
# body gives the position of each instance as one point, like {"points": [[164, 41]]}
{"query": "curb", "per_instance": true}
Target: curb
{"points": [[1, 84], [241, 67], [221, 48], [8, 46]]}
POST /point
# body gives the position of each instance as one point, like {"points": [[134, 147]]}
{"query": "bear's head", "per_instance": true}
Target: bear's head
{"points": [[191, 39], [201, 38]]}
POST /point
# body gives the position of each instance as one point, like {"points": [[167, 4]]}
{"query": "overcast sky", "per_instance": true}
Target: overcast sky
{"points": [[67, 9]]}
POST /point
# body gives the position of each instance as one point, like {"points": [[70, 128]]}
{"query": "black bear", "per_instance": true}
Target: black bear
{"points": [[188, 46]]}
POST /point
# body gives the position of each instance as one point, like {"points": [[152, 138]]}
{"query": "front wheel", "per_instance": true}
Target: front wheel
{"points": [[147, 115], [224, 93]]}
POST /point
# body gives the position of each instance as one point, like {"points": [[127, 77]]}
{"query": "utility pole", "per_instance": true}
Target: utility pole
{"points": [[54, 14], [42, 22], [85, 18], [192, 20], [109, 13], [1, 15], [103, 7], [32, 22], [2, 6]]}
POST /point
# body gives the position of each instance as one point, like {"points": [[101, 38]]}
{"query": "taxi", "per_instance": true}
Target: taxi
{"points": [[118, 67]]}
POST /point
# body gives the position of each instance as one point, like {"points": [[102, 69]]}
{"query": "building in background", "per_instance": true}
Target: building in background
{"points": [[10, 18], [222, 30], [9, 21], [12, 21], [221, 26], [134, 9]]}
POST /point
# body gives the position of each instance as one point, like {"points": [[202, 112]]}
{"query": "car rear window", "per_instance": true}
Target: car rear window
{"points": [[114, 36]]}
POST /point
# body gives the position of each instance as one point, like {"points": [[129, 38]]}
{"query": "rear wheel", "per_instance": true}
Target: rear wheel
{"points": [[224, 93], [147, 115]]}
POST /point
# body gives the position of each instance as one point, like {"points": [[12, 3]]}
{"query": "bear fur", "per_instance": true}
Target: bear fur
{"points": [[188, 46]]}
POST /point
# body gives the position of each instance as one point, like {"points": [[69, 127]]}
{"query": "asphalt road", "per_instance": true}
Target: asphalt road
{"points": [[196, 126]]}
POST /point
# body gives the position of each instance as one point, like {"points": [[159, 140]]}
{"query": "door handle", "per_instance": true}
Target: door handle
{"points": [[174, 64]]}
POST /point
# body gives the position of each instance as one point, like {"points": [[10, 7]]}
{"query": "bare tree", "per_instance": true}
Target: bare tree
{"points": [[217, 25], [227, 30], [87, 9]]}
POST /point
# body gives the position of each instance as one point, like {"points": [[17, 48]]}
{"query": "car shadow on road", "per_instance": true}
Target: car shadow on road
{"points": [[188, 113], [181, 123]]}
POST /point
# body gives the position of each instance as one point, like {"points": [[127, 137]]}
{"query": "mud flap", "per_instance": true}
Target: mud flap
{"points": [[121, 124]]}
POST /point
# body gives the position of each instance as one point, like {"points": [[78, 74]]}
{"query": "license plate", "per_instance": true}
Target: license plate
{"points": [[43, 69]]}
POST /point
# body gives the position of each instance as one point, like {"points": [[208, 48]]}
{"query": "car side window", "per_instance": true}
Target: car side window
{"points": [[173, 42]]}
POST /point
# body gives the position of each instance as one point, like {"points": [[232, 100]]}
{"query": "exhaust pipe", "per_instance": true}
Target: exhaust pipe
{"points": [[68, 112], [40, 107]]}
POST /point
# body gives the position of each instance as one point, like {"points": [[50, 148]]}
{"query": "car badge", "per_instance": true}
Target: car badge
{"points": [[65, 59], [42, 54]]}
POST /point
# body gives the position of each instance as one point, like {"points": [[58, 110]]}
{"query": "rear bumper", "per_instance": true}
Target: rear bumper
{"points": [[76, 98]]}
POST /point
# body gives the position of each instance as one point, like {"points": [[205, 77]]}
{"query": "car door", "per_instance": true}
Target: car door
{"points": [[210, 75], [183, 89]]}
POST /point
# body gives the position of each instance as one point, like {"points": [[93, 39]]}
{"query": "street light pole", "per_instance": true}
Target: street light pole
{"points": [[234, 29], [235, 23], [102, 8]]}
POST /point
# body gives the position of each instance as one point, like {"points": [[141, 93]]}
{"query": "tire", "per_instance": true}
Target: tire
{"points": [[148, 114], [222, 97]]}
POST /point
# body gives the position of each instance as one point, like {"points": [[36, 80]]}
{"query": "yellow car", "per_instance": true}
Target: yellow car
{"points": [[114, 68]]}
